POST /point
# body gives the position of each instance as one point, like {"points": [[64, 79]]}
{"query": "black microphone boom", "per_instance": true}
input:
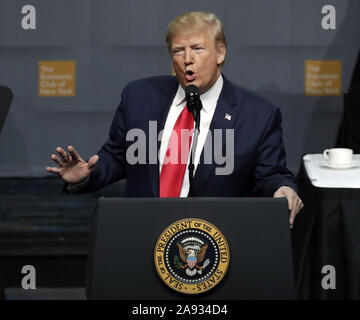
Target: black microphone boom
{"points": [[194, 105]]}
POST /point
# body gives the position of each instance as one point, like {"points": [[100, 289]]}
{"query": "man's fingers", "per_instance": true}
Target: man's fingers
{"points": [[291, 201], [62, 153], [297, 206], [74, 153], [57, 160], [293, 210], [53, 170], [294, 202], [290, 204], [292, 217], [92, 161]]}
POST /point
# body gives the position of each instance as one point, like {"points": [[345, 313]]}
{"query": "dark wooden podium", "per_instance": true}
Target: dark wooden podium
{"points": [[121, 266]]}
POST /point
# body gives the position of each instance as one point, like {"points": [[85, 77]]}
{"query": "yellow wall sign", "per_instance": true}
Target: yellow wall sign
{"points": [[56, 78], [323, 77]]}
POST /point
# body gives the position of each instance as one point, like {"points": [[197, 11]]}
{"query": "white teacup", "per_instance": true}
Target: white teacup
{"points": [[338, 156]]}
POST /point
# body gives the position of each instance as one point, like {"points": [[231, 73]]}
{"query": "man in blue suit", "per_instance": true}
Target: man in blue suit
{"points": [[155, 107]]}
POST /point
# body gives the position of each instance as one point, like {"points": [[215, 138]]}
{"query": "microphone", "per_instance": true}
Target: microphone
{"points": [[193, 101], [194, 105]]}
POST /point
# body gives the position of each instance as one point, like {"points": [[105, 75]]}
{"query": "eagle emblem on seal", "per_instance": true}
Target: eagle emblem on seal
{"points": [[192, 252]]}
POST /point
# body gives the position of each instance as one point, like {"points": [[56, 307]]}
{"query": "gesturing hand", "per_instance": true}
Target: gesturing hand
{"points": [[72, 168], [294, 202]]}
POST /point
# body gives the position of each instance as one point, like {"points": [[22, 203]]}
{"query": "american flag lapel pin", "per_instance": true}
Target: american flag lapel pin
{"points": [[227, 116]]}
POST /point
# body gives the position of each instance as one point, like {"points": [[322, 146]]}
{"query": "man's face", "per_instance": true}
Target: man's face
{"points": [[196, 59]]}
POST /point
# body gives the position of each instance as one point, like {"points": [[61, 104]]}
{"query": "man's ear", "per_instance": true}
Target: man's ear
{"points": [[220, 53]]}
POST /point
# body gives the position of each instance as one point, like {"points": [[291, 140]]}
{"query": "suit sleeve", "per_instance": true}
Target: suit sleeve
{"points": [[270, 170]]}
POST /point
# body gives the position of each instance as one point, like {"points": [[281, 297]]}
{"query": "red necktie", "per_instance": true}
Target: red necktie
{"points": [[172, 172]]}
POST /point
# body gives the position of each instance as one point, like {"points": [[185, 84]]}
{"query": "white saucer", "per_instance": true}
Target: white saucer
{"points": [[341, 166]]}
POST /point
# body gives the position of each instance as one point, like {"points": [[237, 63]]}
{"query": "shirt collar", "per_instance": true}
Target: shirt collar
{"points": [[212, 95]]}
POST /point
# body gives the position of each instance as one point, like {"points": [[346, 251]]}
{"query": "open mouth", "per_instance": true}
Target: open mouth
{"points": [[190, 75]]}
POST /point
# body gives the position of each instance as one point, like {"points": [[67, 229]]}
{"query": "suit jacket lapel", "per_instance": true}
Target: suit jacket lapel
{"points": [[224, 109], [160, 106]]}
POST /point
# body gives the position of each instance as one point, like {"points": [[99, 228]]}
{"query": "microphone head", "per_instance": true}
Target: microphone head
{"points": [[191, 90], [192, 96]]}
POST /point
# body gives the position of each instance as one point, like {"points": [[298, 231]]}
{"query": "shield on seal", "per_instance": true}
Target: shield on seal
{"points": [[191, 261]]}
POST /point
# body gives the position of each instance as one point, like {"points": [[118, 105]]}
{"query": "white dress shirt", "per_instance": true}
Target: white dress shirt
{"points": [[209, 100]]}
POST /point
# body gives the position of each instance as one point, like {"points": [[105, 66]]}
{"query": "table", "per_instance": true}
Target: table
{"points": [[327, 232]]}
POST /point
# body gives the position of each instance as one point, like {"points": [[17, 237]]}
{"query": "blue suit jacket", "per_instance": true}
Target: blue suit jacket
{"points": [[259, 164]]}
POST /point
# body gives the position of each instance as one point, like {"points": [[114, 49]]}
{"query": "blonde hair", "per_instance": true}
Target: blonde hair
{"points": [[195, 21]]}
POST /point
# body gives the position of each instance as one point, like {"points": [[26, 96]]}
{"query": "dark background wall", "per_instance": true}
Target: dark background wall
{"points": [[114, 42]]}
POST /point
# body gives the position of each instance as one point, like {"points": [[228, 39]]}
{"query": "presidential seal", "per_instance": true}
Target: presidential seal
{"points": [[191, 256]]}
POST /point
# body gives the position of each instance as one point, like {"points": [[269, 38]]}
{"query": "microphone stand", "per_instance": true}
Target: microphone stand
{"points": [[196, 114]]}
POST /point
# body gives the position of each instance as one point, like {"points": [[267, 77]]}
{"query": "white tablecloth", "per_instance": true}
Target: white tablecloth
{"points": [[324, 177]]}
